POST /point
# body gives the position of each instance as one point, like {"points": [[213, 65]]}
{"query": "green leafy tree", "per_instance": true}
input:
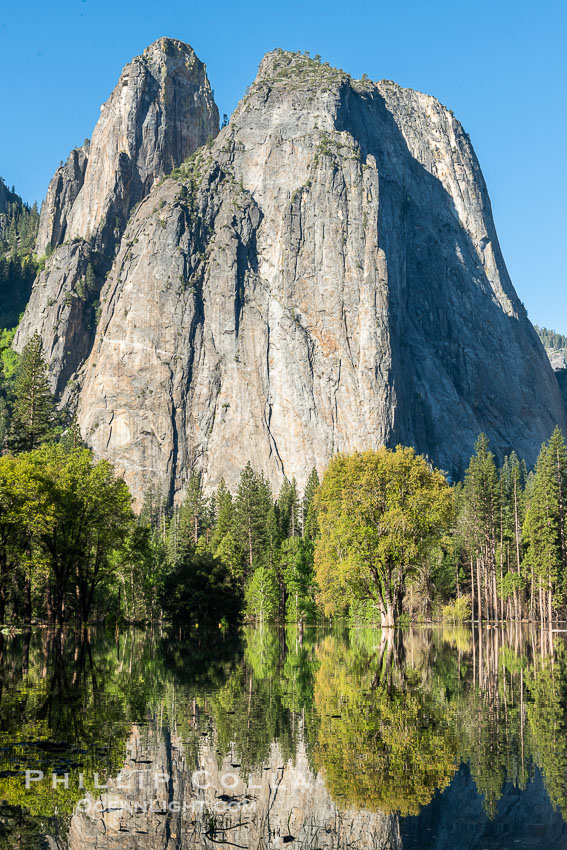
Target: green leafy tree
{"points": [[92, 516], [25, 513], [379, 515]]}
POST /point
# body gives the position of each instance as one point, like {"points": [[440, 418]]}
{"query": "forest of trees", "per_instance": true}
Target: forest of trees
{"points": [[382, 538], [551, 339], [18, 266]]}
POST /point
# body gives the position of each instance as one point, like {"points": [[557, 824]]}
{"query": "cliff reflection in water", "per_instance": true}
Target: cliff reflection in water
{"points": [[436, 738]]}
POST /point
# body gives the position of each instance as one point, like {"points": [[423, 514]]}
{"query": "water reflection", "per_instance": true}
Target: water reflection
{"points": [[319, 738]]}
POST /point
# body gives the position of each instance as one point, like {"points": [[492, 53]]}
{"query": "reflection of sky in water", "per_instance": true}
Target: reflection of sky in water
{"points": [[426, 738]]}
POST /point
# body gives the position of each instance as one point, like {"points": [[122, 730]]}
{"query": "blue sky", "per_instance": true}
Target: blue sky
{"points": [[499, 65]]}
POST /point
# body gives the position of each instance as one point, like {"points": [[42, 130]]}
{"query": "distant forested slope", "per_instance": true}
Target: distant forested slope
{"points": [[18, 230]]}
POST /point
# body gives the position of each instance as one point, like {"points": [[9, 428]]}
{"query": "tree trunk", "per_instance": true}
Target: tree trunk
{"points": [[479, 594], [472, 591], [27, 601], [387, 616]]}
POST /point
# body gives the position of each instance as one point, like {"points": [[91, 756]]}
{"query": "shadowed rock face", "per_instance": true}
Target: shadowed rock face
{"points": [[161, 110], [326, 277]]}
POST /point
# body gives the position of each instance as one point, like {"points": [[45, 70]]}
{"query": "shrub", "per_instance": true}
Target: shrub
{"points": [[457, 611]]}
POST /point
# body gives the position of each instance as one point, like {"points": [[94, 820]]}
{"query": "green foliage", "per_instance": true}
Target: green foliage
{"points": [[545, 524], [379, 514], [551, 339], [296, 567], [262, 595], [368, 707], [251, 508], [200, 593], [33, 414], [458, 611], [65, 520], [309, 512], [18, 267]]}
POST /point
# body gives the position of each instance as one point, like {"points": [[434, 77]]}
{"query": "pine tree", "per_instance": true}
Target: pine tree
{"points": [[513, 477], [71, 437], [481, 504], [193, 513], [558, 452], [223, 543], [544, 527], [90, 281], [309, 513], [33, 416], [289, 510], [224, 514], [251, 508]]}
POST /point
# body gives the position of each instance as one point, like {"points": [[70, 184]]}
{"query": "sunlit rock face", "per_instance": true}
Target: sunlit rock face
{"points": [[277, 802], [161, 110], [327, 277], [324, 277]]}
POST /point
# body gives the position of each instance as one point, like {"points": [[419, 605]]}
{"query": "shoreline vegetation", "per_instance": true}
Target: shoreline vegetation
{"points": [[383, 538]]}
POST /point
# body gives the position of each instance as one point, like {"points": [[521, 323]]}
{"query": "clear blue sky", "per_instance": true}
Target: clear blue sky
{"points": [[499, 65]]}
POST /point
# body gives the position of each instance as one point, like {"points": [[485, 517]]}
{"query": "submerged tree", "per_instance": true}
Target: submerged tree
{"points": [[379, 515]]}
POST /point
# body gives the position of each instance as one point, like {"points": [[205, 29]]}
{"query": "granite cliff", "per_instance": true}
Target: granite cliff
{"points": [[161, 110], [325, 275]]}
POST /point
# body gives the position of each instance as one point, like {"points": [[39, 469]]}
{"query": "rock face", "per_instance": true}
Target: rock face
{"points": [[161, 110], [65, 185], [325, 277], [559, 366]]}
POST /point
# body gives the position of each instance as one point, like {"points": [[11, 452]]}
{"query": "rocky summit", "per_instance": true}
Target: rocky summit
{"points": [[160, 112], [323, 275]]}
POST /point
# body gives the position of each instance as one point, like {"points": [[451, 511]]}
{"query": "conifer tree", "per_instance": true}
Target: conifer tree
{"points": [[289, 510], [512, 509], [251, 508], [481, 498], [193, 513], [223, 543], [33, 415], [224, 514], [309, 513], [544, 527]]}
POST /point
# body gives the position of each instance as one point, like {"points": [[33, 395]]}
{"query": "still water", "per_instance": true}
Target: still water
{"points": [[340, 738]]}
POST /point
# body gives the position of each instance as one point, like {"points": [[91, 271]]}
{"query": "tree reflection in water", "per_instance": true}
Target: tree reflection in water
{"points": [[380, 723]]}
